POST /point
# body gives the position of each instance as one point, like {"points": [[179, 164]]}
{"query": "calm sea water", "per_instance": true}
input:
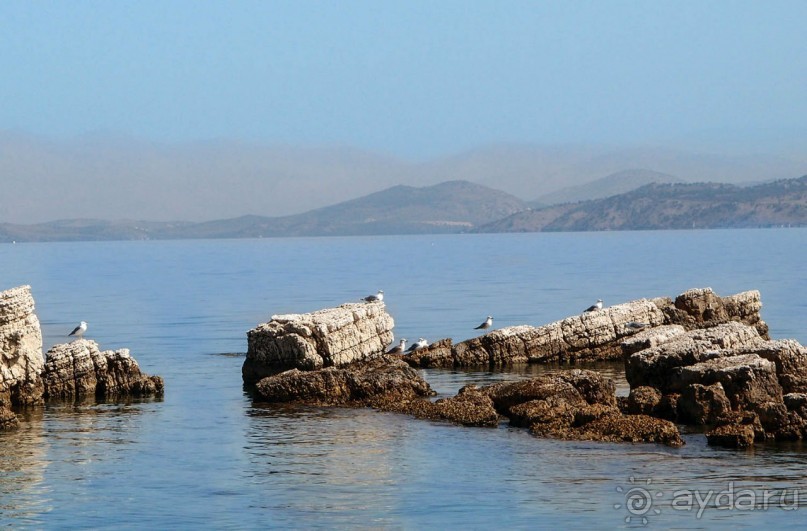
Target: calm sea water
{"points": [[205, 457]]}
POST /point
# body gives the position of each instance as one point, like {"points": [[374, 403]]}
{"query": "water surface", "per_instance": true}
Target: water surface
{"points": [[206, 457]]}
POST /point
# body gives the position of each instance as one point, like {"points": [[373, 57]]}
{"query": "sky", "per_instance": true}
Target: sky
{"points": [[272, 108], [414, 79]]}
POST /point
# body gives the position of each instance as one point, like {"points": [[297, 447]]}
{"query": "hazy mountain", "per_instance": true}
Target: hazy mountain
{"points": [[672, 206], [113, 177], [454, 206], [616, 183]]}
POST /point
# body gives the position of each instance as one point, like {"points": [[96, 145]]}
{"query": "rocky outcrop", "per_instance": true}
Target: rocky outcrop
{"points": [[700, 359], [355, 384], [80, 369], [72, 370], [703, 308], [21, 360], [578, 405], [331, 337], [729, 376], [607, 334], [588, 336]]}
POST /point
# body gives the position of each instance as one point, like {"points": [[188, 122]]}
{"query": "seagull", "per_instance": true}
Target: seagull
{"points": [[79, 330], [594, 307], [635, 325], [378, 297], [487, 324], [399, 348], [421, 343]]}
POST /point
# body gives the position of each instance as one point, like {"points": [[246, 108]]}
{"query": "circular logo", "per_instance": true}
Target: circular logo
{"points": [[638, 501]]}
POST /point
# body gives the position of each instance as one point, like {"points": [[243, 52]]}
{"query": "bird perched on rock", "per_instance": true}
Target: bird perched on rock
{"points": [[635, 325], [79, 330], [487, 324], [594, 307], [419, 344], [378, 297], [398, 348]]}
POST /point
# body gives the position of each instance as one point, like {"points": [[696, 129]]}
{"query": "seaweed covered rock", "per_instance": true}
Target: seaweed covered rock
{"points": [[470, 407], [80, 369], [325, 338], [578, 405], [355, 384]]}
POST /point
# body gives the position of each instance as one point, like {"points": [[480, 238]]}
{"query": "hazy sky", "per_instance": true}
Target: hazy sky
{"points": [[409, 78]]}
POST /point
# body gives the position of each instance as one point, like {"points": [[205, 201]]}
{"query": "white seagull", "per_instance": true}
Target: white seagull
{"points": [[79, 330], [398, 348], [594, 307], [419, 344], [487, 324], [378, 297]]}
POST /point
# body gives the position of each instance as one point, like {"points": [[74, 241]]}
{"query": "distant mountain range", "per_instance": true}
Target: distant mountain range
{"points": [[105, 176], [613, 184], [455, 206], [672, 206], [461, 206]]}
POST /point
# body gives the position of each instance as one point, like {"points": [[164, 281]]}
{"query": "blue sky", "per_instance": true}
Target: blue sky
{"points": [[409, 78]]}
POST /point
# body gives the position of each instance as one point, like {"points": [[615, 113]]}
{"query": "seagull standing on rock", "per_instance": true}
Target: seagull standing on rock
{"points": [[398, 348], [487, 324], [378, 297], [79, 330], [594, 307], [419, 344]]}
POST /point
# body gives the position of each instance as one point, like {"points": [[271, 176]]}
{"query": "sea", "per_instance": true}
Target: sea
{"points": [[206, 456]]}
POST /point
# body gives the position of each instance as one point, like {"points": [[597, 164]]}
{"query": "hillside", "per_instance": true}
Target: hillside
{"points": [[672, 206], [616, 183], [454, 206]]}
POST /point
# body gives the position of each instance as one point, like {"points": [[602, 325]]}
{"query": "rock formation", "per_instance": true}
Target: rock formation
{"points": [[699, 359], [80, 369], [597, 335], [729, 377], [354, 384], [325, 338], [21, 360], [72, 370]]}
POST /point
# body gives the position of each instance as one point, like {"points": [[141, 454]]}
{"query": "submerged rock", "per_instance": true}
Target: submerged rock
{"points": [[8, 420], [325, 338], [80, 369], [469, 407]]}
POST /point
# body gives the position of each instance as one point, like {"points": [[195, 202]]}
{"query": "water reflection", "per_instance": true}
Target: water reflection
{"points": [[65, 441], [23, 460]]}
